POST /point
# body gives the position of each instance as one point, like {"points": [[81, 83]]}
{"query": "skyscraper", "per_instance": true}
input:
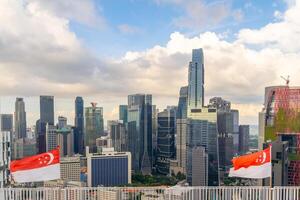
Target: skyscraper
{"points": [[123, 113], [94, 127], [47, 109], [20, 118], [140, 132], [117, 134], [202, 129], [281, 117], [6, 122], [182, 103], [5, 158], [46, 117], [79, 126], [196, 81], [165, 140], [244, 138], [202, 132]]}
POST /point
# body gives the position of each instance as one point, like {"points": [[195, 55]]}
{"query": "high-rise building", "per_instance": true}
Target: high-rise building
{"points": [[117, 135], [20, 118], [166, 122], [179, 164], [5, 152], [47, 109], [198, 167], [154, 133], [281, 123], [225, 151], [79, 126], [140, 132], [235, 134], [123, 113], [6, 122], [202, 132], [51, 137], [70, 168], [23, 147], [244, 131], [182, 103], [220, 104], [109, 168], [94, 126], [62, 122], [196, 81], [46, 117], [65, 139]]}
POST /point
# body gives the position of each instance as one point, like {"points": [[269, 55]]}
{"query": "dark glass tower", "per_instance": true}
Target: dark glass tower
{"points": [[46, 117], [165, 140], [79, 126], [140, 132]]}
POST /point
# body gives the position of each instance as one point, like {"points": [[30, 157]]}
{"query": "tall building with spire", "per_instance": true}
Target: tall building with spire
{"points": [[20, 118], [202, 132], [196, 81]]}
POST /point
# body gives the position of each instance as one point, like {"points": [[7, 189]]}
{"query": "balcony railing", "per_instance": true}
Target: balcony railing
{"points": [[152, 193]]}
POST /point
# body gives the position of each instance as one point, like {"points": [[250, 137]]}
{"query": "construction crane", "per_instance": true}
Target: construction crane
{"points": [[287, 80]]}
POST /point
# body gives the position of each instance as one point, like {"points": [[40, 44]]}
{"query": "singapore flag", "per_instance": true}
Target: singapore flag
{"points": [[41, 167], [256, 165]]}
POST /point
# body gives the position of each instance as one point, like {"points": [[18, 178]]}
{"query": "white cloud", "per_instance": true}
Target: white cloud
{"points": [[200, 15], [41, 55], [84, 12]]}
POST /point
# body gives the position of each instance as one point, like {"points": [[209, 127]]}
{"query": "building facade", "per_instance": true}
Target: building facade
{"points": [[244, 131], [46, 117], [139, 138], [123, 113], [20, 118], [79, 126], [281, 124], [94, 125], [117, 133], [202, 132], [182, 103], [5, 157], [109, 169], [6, 122], [196, 81], [70, 168], [166, 129]]}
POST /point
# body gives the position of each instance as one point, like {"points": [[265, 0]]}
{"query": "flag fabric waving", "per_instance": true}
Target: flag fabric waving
{"points": [[41, 167], [255, 165]]}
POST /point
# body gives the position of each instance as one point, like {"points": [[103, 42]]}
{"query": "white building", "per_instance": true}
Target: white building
{"points": [[70, 168], [5, 145]]}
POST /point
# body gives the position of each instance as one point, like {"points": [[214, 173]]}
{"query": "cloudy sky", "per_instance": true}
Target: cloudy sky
{"points": [[104, 50]]}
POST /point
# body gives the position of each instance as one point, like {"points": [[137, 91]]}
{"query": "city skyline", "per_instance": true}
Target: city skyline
{"points": [[235, 43]]}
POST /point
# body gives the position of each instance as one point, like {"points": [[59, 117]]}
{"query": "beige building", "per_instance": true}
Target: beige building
{"points": [[70, 168]]}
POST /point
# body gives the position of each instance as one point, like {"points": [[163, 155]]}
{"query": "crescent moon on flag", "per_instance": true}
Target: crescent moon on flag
{"points": [[51, 158], [264, 157]]}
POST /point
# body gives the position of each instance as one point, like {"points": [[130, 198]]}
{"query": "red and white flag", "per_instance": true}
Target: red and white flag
{"points": [[256, 165], [41, 167]]}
